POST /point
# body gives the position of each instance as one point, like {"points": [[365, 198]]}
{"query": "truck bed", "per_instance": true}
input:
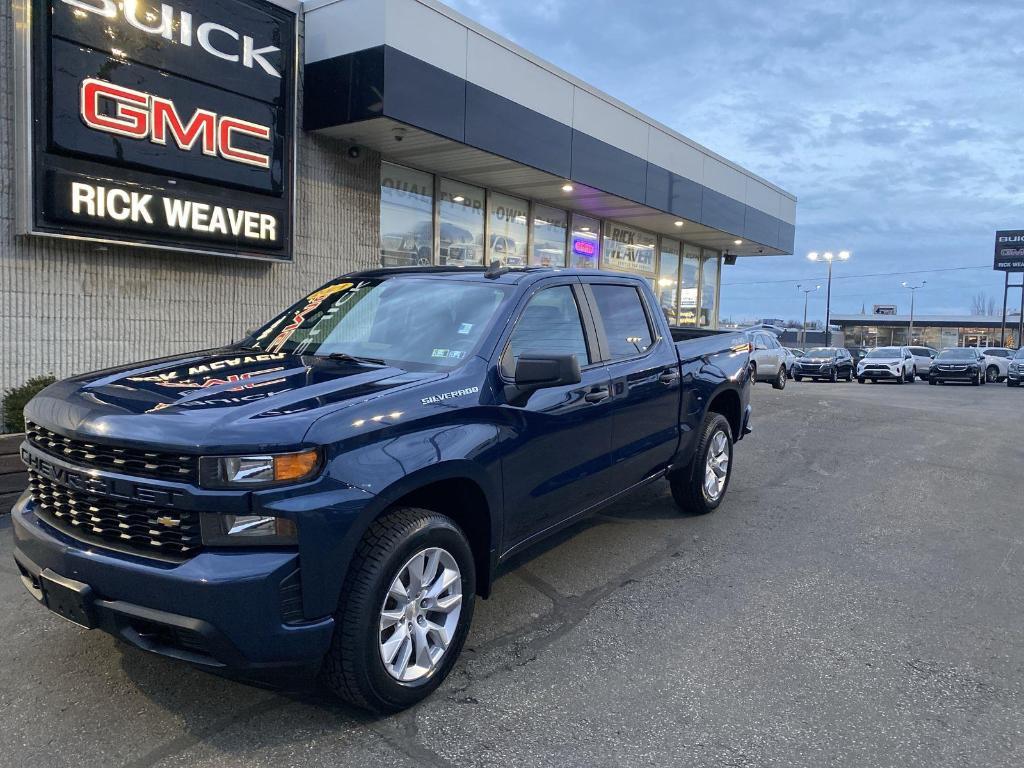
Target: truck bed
{"points": [[702, 342]]}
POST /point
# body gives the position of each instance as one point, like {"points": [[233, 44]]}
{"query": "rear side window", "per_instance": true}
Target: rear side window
{"points": [[549, 325], [625, 322]]}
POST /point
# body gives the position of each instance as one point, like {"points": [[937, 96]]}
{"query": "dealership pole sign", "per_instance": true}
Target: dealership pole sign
{"points": [[164, 125], [1010, 251]]}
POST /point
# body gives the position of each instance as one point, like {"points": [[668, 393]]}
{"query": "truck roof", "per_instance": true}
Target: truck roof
{"points": [[507, 275]]}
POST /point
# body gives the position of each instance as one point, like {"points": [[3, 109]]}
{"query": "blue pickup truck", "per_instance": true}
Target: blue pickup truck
{"points": [[329, 496]]}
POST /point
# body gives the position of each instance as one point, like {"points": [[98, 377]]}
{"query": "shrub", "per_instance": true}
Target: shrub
{"points": [[17, 398]]}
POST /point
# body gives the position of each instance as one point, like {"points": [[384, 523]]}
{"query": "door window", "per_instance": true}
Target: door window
{"points": [[549, 325], [625, 321]]}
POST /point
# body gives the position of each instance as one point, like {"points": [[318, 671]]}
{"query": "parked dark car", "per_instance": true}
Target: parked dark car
{"points": [[960, 364], [1016, 371], [824, 364], [857, 353], [331, 494]]}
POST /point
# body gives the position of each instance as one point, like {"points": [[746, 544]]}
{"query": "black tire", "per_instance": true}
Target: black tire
{"points": [[978, 379], [902, 378], [753, 374], [849, 376], [833, 376], [861, 380], [992, 374], [780, 380], [688, 484], [933, 382], [353, 669], [798, 377], [912, 376]]}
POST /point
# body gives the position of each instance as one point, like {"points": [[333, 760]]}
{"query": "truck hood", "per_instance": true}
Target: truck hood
{"points": [[216, 400]]}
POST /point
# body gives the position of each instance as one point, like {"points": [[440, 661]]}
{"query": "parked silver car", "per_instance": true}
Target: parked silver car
{"points": [[923, 357], [997, 363], [768, 358]]}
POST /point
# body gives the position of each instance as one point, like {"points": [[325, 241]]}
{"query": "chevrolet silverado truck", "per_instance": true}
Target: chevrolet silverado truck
{"points": [[328, 497]]}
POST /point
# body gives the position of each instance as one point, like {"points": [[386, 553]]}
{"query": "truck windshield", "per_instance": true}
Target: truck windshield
{"points": [[409, 322]]}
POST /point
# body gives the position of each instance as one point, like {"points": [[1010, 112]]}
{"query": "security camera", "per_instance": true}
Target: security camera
{"points": [[399, 134], [354, 152]]}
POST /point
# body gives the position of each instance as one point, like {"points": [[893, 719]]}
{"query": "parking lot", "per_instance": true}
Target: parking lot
{"points": [[858, 600]]}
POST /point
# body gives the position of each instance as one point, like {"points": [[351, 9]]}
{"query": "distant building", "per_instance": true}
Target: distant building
{"points": [[937, 331]]}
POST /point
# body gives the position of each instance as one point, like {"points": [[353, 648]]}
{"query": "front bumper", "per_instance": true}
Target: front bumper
{"points": [[964, 376], [1015, 376], [221, 610], [817, 372], [879, 373]]}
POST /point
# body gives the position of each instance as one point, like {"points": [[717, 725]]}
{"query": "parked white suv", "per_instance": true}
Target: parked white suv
{"points": [[887, 363], [923, 357], [997, 363]]}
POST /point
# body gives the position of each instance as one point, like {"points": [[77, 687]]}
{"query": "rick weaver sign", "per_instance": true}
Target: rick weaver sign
{"points": [[167, 125]]}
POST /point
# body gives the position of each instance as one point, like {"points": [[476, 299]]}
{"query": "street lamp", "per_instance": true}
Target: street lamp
{"points": [[829, 256], [807, 293], [913, 295]]}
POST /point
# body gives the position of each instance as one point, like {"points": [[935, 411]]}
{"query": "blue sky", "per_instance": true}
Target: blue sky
{"points": [[899, 125]]}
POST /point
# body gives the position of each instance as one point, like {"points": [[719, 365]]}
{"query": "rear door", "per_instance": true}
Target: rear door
{"points": [[643, 367], [557, 455]]}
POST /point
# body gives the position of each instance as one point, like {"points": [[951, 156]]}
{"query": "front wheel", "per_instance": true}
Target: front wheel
{"points": [[404, 613], [699, 488], [780, 380], [798, 377], [992, 374], [861, 379]]}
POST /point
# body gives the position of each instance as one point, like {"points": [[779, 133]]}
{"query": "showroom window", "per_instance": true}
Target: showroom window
{"points": [[668, 279], [709, 289], [585, 245], [461, 221], [508, 229], [629, 250], [549, 230], [625, 322], [406, 216], [689, 277]]}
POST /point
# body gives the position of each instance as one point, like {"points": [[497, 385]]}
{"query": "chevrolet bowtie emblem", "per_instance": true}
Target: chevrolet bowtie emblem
{"points": [[168, 522]]}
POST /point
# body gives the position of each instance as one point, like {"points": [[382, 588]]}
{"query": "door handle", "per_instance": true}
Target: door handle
{"points": [[597, 395], [668, 378]]}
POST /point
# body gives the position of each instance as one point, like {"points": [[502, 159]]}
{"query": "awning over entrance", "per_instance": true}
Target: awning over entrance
{"points": [[426, 87]]}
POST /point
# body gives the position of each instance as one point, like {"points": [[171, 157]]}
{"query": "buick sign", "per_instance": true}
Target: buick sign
{"points": [[1010, 251], [161, 124]]}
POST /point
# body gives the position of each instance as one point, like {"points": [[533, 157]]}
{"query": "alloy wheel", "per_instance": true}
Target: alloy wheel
{"points": [[420, 615], [716, 470]]}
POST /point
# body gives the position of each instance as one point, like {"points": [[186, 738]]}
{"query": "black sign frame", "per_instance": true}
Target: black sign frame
{"points": [[1009, 251], [231, 193]]}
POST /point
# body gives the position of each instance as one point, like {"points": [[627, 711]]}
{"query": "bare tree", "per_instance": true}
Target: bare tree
{"points": [[982, 304]]}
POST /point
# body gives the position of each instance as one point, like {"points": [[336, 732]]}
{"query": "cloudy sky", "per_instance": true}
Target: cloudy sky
{"points": [[899, 125]]}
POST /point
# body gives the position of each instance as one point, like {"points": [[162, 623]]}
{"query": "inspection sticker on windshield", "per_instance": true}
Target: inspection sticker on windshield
{"points": [[448, 354], [450, 395], [465, 329]]}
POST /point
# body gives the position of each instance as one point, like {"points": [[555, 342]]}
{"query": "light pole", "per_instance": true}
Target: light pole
{"points": [[913, 295], [829, 256], [807, 294]]}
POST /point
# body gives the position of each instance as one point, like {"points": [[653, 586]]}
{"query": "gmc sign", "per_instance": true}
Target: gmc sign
{"points": [[161, 124]]}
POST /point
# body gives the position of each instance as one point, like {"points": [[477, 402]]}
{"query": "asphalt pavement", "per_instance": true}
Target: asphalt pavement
{"points": [[858, 600]]}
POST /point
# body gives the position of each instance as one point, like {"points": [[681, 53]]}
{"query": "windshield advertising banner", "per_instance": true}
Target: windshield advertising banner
{"points": [[164, 125]]}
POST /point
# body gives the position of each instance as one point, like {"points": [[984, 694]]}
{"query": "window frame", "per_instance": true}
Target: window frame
{"points": [[602, 335], [586, 320]]}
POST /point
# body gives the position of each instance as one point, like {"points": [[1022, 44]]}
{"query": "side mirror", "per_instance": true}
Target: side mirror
{"points": [[538, 371]]}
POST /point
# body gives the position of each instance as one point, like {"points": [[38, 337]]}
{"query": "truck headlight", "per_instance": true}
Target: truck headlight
{"points": [[257, 471], [247, 530]]}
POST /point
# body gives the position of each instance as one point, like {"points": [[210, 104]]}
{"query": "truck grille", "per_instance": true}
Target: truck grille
{"points": [[119, 524], [129, 461]]}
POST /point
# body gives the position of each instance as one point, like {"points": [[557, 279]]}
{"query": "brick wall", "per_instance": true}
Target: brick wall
{"points": [[69, 307]]}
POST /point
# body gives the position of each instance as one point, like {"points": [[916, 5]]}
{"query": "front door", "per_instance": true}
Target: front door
{"points": [[558, 462]]}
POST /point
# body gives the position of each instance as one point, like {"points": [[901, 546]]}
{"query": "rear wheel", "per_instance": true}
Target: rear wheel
{"points": [[404, 613], [780, 380], [992, 374], [699, 488]]}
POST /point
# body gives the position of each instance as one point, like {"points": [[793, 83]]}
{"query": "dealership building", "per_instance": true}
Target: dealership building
{"points": [[935, 331], [176, 173]]}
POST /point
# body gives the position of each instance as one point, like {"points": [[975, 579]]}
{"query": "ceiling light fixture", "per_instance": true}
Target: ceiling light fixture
{"points": [[567, 187]]}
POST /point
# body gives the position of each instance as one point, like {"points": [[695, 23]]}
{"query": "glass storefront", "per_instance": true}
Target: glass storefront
{"points": [[461, 224], [668, 279], [710, 267], [406, 216], [585, 242], [508, 229], [550, 227], [629, 250], [426, 219], [936, 337]]}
